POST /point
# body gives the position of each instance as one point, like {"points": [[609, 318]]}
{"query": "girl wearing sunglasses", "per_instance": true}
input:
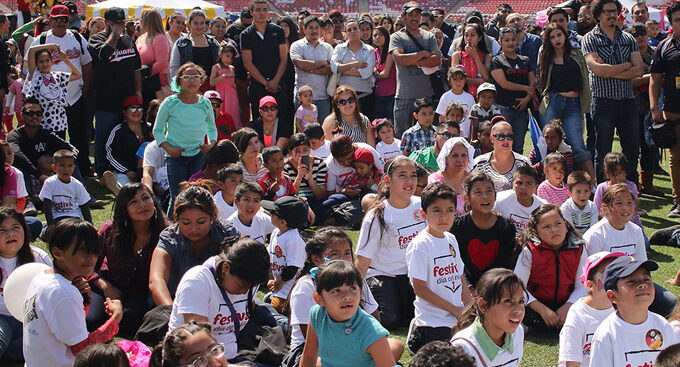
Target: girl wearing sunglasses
{"points": [[346, 118], [123, 142]]}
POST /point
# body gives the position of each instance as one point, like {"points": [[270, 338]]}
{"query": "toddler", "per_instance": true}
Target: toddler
{"points": [[307, 113], [387, 146], [367, 176], [64, 196], [320, 147], [485, 109], [458, 79], [579, 210], [553, 190], [222, 78]]}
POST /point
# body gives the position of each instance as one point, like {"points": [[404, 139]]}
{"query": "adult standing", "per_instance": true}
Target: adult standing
{"points": [[176, 26], [74, 21], [338, 24], [312, 60], [664, 70], [75, 47], [234, 32], [353, 62], [439, 22], [196, 47], [412, 82], [154, 50], [585, 22], [614, 60], [515, 84], [116, 65], [347, 119], [4, 61], [498, 21], [475, 16], [565, 92], [290, 31], [560, 18], [385, 74], [218, 29], [527, 44], [265, 56]]}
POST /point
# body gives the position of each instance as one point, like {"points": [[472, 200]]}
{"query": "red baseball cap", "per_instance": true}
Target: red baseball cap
{"points": [[267, 100], [363, 155], [59, 11], [132, 100]]}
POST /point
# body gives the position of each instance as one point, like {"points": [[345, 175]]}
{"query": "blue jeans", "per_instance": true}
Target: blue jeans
{"points": [[384, 107], [649, 152], [35, 226], [622, 115], [664, 301], [568, 109], [104, 122], [403, 115], [179, 170], [11, 339], [519, 120], [323, 107], [333, 200]]}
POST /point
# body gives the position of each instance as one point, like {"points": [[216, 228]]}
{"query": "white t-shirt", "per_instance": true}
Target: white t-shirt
{"points": [[54, 319], [154, 156], [603, 237], [341, 176], [66, 197], [676, 328], [388, 151], [301, 302], [224, 210], [286, 249], [7, 266], [68, 44], [504, 358], [507, 204], [467, 100], [580, 219], [198, 293], [21, 185], [258, 229], [618, 343], [387, 248], [323, 151], [577, 333], [437, 262]]}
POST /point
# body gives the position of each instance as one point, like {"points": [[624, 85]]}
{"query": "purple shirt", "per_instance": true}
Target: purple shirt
{"points": [[602, 188]]}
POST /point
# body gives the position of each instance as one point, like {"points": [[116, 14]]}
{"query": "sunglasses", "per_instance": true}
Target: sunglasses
{"points": [[216, 104], [337, 20], [191, 77], [501, 136], [135, 109], [587, 16], [350, 100], [61, 19], [32, 113], [269, 108], [447, 135]]}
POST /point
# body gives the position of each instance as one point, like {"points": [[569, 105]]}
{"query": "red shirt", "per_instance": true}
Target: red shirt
{"points": [[225, 126], [286, 187]]}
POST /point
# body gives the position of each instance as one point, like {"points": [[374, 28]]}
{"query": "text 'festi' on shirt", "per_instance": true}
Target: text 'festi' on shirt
{"points": [[67, 198], [509, 207], [437, 262], [576, 336], [286, 249], [386, 247], [619, 343]]}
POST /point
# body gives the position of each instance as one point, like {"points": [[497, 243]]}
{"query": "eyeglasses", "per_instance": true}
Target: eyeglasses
{"points": [[350, 100], [587, 16], [191, 77], [501, 136], [30, 113], [61, 19], [204, 359], [135, 109], [216, 104], [337, 20], [610, 12], [447, 135], [269, 108]]}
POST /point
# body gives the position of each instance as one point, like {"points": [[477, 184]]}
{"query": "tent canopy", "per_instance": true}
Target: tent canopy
{"points": [[165, 7]]}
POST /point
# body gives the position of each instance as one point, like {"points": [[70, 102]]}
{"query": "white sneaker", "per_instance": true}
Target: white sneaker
{"points": [[411, 329]]}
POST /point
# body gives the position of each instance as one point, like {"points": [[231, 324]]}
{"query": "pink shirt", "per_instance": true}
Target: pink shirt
{"points": [[552, 194], [460, 200], [16, 88], [387, 86], [9, 187], [157, 54]]}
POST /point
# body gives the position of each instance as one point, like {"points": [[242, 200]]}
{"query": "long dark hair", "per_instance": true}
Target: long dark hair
{"points": [[25, 254], [529, 233], [491, 287], [481, 45], [386, 46], [247, 259], [548, 52], [337, 115], [195, 195], [292, 27], [102, 355], [122, 237]]}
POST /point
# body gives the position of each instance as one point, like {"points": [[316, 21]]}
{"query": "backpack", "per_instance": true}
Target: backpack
{"points": [[76, 35]]}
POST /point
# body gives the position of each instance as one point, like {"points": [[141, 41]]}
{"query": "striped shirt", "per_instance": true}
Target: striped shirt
{"points": [[254, 177], [319, 174], [552, 194], [501, 181], [613, 52], [355, 132]]}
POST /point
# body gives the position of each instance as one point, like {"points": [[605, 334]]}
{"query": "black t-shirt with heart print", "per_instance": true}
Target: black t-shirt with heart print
{"points": [[482, 250]]}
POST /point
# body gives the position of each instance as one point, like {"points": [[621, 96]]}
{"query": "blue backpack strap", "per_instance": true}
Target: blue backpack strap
{"points": [[234, 314]]}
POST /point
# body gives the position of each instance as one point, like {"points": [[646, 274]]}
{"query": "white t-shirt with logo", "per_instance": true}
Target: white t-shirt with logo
{"points": [[224, 210], [509, 207], [577, 333], [258, 229], [603, 237], [581, 219], [619, 343], [301, 302], [7, 266], [437, 262], [340, 176], [54, 319], [286, 249], [197, 293], [68, 44], [154, 156], [324, 150], [467, 100], [503, 359], [387, 248], [66, 197], [388, 151]]}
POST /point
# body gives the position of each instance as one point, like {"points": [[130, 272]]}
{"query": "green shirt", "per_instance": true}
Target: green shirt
{"points": [[488, 346], [426, 157]]}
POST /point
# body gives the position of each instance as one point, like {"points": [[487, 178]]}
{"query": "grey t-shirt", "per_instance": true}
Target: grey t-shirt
{"points": [[412, 83]]}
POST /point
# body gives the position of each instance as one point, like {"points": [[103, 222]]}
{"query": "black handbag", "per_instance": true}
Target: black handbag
{"points": [[436, 79], [663, 133]]}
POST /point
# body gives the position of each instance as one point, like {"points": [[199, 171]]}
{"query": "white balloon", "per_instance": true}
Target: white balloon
{"points": [[17, 286]]}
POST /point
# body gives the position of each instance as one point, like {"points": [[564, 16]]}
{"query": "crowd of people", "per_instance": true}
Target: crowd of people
{"points": [[224, 143]]}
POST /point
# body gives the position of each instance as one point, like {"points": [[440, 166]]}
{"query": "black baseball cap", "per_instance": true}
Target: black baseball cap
{"points": [[410, 6], [72, 7], [288, 208], [624, 266], [245, 13], [115, 14]]}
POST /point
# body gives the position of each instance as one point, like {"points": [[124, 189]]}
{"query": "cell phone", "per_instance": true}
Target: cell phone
{"points": [[305, 160]]}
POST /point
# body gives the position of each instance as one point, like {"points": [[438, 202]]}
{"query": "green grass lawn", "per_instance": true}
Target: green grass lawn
{"points": [[540, 349]]}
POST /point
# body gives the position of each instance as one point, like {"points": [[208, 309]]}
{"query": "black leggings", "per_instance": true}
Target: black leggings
{"points": [[395, 299], [133, 312]]}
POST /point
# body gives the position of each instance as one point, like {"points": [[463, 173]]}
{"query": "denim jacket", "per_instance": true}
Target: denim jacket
{"points": [[183, 53]]}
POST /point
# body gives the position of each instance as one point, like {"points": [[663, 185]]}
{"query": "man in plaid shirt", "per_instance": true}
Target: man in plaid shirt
{"points": [[420, 135]]}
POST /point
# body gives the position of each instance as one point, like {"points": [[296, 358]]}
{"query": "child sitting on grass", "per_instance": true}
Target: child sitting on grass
{"points": [[64, 196], [227, 178], [275, 184], [579, 210], [553, 190]]}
